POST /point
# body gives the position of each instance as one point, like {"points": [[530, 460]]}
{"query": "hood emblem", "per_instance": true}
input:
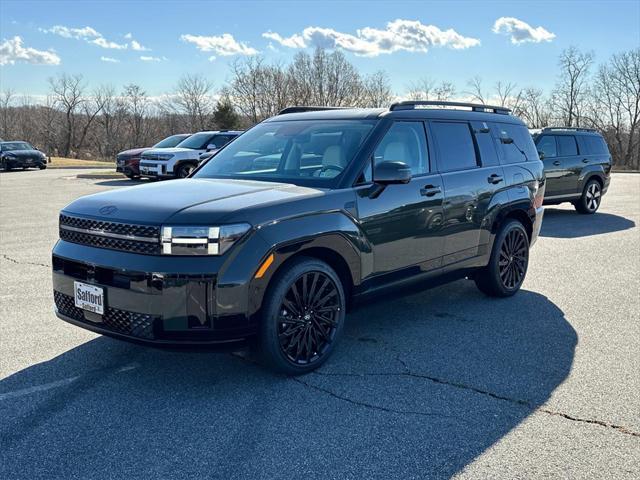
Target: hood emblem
{"points": [[108, 210]]}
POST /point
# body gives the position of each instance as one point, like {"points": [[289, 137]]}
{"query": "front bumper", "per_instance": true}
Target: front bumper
{"points": [[147, 304], [154, 170]]}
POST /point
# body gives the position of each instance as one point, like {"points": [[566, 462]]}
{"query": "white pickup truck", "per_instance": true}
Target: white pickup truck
{"points": [[180, 161]]}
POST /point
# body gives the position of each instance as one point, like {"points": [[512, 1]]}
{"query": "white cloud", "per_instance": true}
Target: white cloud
{"points": [[146, 58], [294, 41], [521, 32], [12, 51], [408, 35], [109, 60], [224, 44], [138, 47], [128, 36], [88, 34]]}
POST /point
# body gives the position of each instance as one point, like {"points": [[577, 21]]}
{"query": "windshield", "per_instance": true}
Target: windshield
{"points": [[197, 141], [9, 146], [171, 141], [300, 152]]}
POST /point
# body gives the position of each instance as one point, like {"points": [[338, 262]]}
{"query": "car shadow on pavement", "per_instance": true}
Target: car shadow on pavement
{"points": [[560, 223], [570, 224], [123, 183], [419, 387]]}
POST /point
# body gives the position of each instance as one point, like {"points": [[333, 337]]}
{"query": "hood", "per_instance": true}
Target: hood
{"points": [[134, 152], [24, 153], [172, 150], [197, 201]]}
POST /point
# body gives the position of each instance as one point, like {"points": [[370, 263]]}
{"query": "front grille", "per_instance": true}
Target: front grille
{"points": [[138, 325], [112, 235], [154, 157]]}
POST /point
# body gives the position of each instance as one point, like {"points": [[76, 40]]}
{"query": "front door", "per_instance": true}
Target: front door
{"points": [[403, 223]]}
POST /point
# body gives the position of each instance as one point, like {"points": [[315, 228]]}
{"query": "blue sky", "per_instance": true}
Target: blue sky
{"points": [[106, 41]]}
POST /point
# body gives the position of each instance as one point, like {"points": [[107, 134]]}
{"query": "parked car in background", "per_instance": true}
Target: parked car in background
{"points": [[577, 164], [128, 162], [180, 161], [277, 250], [21, 155]]}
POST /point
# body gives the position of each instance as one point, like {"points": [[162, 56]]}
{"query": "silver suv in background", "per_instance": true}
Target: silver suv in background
{"points": [[180, 161]]}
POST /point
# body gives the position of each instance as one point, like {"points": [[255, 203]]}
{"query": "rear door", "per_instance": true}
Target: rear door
{"points": [[569, 166], [469, 184], [403, 224], [547, 145]]}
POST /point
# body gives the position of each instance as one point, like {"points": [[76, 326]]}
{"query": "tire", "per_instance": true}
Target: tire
{"points": [[42, 166], [591, 198], [132, 177], [185, 170], [294, 340], [507, 267]]}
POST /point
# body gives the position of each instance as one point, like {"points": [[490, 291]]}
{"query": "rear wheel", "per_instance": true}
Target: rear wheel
{"points": [[303, 317], [590, 199], [507, 267], [185, 170]]}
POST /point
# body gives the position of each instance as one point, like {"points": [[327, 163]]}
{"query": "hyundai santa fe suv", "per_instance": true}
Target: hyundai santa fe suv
{"points": [[181, 160], [128, 162], [271, 241], [577, 164]]}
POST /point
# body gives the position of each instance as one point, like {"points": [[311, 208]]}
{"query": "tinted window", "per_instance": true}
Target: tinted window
{"points": [[170, 142], [404, 142], [596, 145], [566, 145], [520, 148], [547, 145], [299, 152], [220, 140], [455, 145]]}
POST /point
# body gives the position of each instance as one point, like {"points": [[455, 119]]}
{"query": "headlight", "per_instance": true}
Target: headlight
{"points": [[201, 240]]}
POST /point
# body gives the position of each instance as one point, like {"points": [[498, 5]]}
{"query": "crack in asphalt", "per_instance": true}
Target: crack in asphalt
{"points": [[19, 262], [524, 403]]}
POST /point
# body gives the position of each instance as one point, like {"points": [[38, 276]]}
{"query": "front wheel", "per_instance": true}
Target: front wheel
{"points": [[590, 199], [185, 170], [507, 267], [303, 317]]}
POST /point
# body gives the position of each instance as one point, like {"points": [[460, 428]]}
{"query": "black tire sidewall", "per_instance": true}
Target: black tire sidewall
{"points": [[493, 269], [271, 353], [183, 168]]}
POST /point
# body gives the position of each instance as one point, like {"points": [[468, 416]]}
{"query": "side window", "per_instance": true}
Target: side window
{"points": [[567, 145], [596, 145], [220, 140], [456, 150], [404, 142], [520, 148], [547, 145]]}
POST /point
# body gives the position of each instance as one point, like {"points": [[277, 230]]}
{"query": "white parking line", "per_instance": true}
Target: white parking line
{"points": [[38, 388]]}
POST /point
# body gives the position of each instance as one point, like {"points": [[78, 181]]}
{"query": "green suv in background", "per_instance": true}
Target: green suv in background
{"points": [[577, 164]]}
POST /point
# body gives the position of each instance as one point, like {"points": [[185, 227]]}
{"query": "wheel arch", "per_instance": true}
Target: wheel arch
{"points": [[518, 212]]}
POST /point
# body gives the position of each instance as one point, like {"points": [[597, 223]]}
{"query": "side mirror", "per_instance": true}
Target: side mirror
{"points": [[211, 146], [541, 155], [391, 173], [506, 140]]}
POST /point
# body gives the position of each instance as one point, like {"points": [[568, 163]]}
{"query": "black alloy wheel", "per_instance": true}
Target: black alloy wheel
{"points": [[590, 199], [308, 318], [507, 267], [514, 255], [302, 316]]}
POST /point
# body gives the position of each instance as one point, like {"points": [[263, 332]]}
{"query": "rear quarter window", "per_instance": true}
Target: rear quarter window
{"points": [[521, 149], [596, 145]]}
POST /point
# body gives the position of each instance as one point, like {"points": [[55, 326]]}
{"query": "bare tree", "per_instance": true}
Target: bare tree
{"points": [[570, 94], [137, 108], [193, 97], [475, 90], [426, 89], [377, 90], [68, 93], [6, 100], [533, 108]]}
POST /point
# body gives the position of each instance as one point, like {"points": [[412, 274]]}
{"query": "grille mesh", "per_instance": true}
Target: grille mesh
{"points": [[94, 240], [138, 325]]}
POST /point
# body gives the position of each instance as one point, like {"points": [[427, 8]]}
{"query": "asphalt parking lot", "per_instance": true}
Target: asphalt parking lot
{"points": [[443, 383]]}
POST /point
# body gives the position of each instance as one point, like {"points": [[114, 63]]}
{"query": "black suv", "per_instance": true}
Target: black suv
{"points": [[577, 164], [276, 236]]}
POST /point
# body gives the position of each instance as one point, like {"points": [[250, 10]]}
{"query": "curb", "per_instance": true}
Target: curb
{"points": [[83, 167]]}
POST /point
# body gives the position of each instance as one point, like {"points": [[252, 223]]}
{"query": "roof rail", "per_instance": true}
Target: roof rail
{"points": [[307, 109], [571, 129], [475, 107]]}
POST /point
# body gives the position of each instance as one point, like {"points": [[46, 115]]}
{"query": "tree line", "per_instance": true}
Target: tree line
{"points": [[79, 121]]}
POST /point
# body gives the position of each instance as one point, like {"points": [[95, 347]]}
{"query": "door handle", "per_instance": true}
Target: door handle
{"points": [[430, 190], [557, 162], [585, 160], [494, 178]]}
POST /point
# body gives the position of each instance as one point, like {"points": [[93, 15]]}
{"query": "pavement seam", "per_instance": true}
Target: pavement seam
{"points": [[18, 262]]}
